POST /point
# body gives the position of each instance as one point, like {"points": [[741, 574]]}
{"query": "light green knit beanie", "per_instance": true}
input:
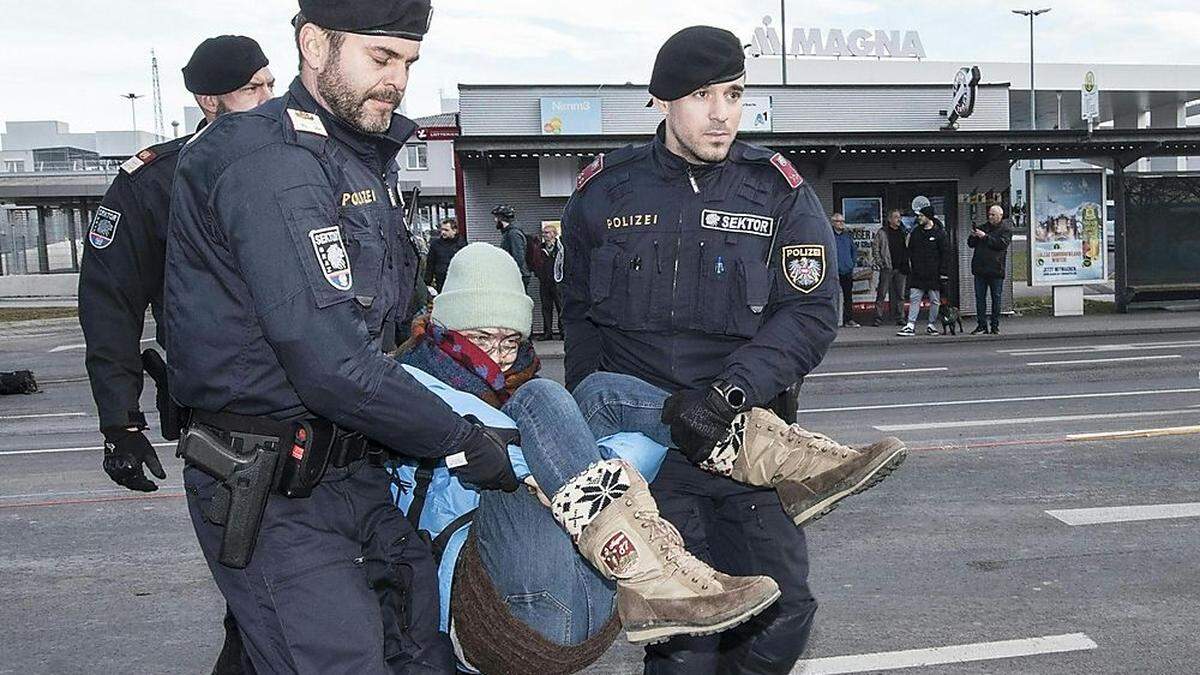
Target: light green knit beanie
{"points": [[483, 289]]}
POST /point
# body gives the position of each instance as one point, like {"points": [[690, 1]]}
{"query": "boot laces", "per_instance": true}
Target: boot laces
{"points": [[670, 543], [819, 442]]}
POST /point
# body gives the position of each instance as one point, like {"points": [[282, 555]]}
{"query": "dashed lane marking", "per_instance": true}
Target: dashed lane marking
{"points": [[1017, 399], [1125, 514], [936, 656]]}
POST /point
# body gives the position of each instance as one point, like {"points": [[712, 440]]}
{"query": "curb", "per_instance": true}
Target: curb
{"points": [[1017, 337], [557, 354]]}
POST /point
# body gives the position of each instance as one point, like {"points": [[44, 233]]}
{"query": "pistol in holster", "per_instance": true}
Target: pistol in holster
{"points": [[246, 469], [289, 458]]}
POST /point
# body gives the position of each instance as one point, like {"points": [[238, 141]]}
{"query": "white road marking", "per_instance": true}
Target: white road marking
{"points": [[1125, 514], [1094, 349], [1111, 360], [1135, 433], [54, 451], [1018, 399], [27, 336], [76, 493], [68, 348], [876, 372], [1028, 420], [918, 658], [41, 416]]}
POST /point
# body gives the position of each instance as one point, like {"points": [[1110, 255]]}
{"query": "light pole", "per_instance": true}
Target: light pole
{"points": [[133, 106], [783, 37], [1031, 13]]}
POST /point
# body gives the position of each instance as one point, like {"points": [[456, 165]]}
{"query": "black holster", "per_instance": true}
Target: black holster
{"points": [[787, 403]]}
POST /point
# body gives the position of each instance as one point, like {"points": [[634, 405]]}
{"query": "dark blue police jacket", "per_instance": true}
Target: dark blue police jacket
{"points": [[287, 253], [681, 274], [122, 273]]}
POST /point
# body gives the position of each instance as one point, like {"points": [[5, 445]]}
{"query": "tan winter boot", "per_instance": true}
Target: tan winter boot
{"points": [[810, 472], [662, 590]]}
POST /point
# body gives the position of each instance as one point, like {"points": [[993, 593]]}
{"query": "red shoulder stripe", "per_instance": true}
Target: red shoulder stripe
{"points": [[789, 172], [589, 172]]}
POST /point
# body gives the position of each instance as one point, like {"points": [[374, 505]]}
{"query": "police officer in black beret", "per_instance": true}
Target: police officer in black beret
{"points": [[698, 264], [287, 256], [122, 271]]}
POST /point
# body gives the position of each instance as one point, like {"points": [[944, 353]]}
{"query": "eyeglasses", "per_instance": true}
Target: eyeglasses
{"points": [[500, 344]]}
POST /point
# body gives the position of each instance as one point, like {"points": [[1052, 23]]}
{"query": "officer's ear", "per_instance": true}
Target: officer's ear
{"points": [[663, 107], [210, 105], [314, 45]]}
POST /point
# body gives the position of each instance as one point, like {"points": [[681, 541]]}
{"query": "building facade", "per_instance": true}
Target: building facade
{"points": [[524, 145]]}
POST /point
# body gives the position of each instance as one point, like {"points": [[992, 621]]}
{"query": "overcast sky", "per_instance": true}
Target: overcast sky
{"points": [[70, 60]]}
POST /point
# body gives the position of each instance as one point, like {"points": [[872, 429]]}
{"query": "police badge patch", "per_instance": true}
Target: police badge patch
{"points": [[804, 266], [331, 254], [104, 228]]}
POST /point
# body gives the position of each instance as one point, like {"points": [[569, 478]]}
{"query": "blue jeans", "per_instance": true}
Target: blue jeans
{"points": [[735, 528], [983, 288], [531, 560]]}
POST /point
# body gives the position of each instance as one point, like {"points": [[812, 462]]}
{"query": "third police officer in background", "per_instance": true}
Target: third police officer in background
{"points": [[287, 256], [122, 274], [122, 269], [701, 265]]}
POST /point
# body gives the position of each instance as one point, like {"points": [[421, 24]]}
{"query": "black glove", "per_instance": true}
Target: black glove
{"points": [[482, 460], [699, 418], [125, 452]]}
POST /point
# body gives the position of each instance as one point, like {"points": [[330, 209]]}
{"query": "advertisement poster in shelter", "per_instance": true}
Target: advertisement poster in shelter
{"points": [[1066, 228], [864, 217]]}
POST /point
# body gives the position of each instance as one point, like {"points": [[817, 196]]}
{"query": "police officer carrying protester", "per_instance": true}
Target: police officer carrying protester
{"points": [[701, 265], [122, 274], [287, 254]]}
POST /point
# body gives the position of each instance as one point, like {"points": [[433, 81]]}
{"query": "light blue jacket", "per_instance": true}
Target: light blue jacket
{"points": [[448, 499]]}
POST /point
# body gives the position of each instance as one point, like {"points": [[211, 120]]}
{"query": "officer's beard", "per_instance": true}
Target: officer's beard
{"points": [[350, 104]]}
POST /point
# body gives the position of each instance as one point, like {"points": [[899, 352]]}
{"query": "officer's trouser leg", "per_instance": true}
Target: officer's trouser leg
{"points": [[739, 530], [317, 596], [232, 659]]}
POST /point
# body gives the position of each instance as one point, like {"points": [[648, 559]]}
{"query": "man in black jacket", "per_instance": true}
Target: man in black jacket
{"points": [[513, 240], [546, 259], [441, 251], [987, 264], [929, 260]]}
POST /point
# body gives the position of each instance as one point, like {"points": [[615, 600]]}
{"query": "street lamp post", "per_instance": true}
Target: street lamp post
{"points": [[783, 37], [133, 106], [1031, 13]]}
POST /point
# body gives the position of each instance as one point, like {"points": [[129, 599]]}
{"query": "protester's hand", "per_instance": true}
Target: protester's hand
{"points": [[979, 233], [699, 419], [481, 460], [125, 453]]}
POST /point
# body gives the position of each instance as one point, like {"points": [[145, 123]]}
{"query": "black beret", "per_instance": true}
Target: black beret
{"points": [[223, 64], [928, 212], [394, 18], [695, 57]]}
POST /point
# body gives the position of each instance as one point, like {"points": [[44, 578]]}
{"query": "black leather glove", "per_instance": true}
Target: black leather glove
{"points": [[698, 418], [125, 452], [481, 460]]}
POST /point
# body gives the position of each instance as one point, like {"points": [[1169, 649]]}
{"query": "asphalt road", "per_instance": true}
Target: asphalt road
{"points": [[956, 549]]}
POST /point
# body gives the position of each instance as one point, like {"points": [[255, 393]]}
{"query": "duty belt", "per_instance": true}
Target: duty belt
{"points": [[246, 432]]}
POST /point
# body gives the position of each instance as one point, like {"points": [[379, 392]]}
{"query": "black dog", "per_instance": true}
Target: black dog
{"points": [[951, 318]]}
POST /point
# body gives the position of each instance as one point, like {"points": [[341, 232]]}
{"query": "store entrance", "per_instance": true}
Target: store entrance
{"points": [[865, 205]]}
